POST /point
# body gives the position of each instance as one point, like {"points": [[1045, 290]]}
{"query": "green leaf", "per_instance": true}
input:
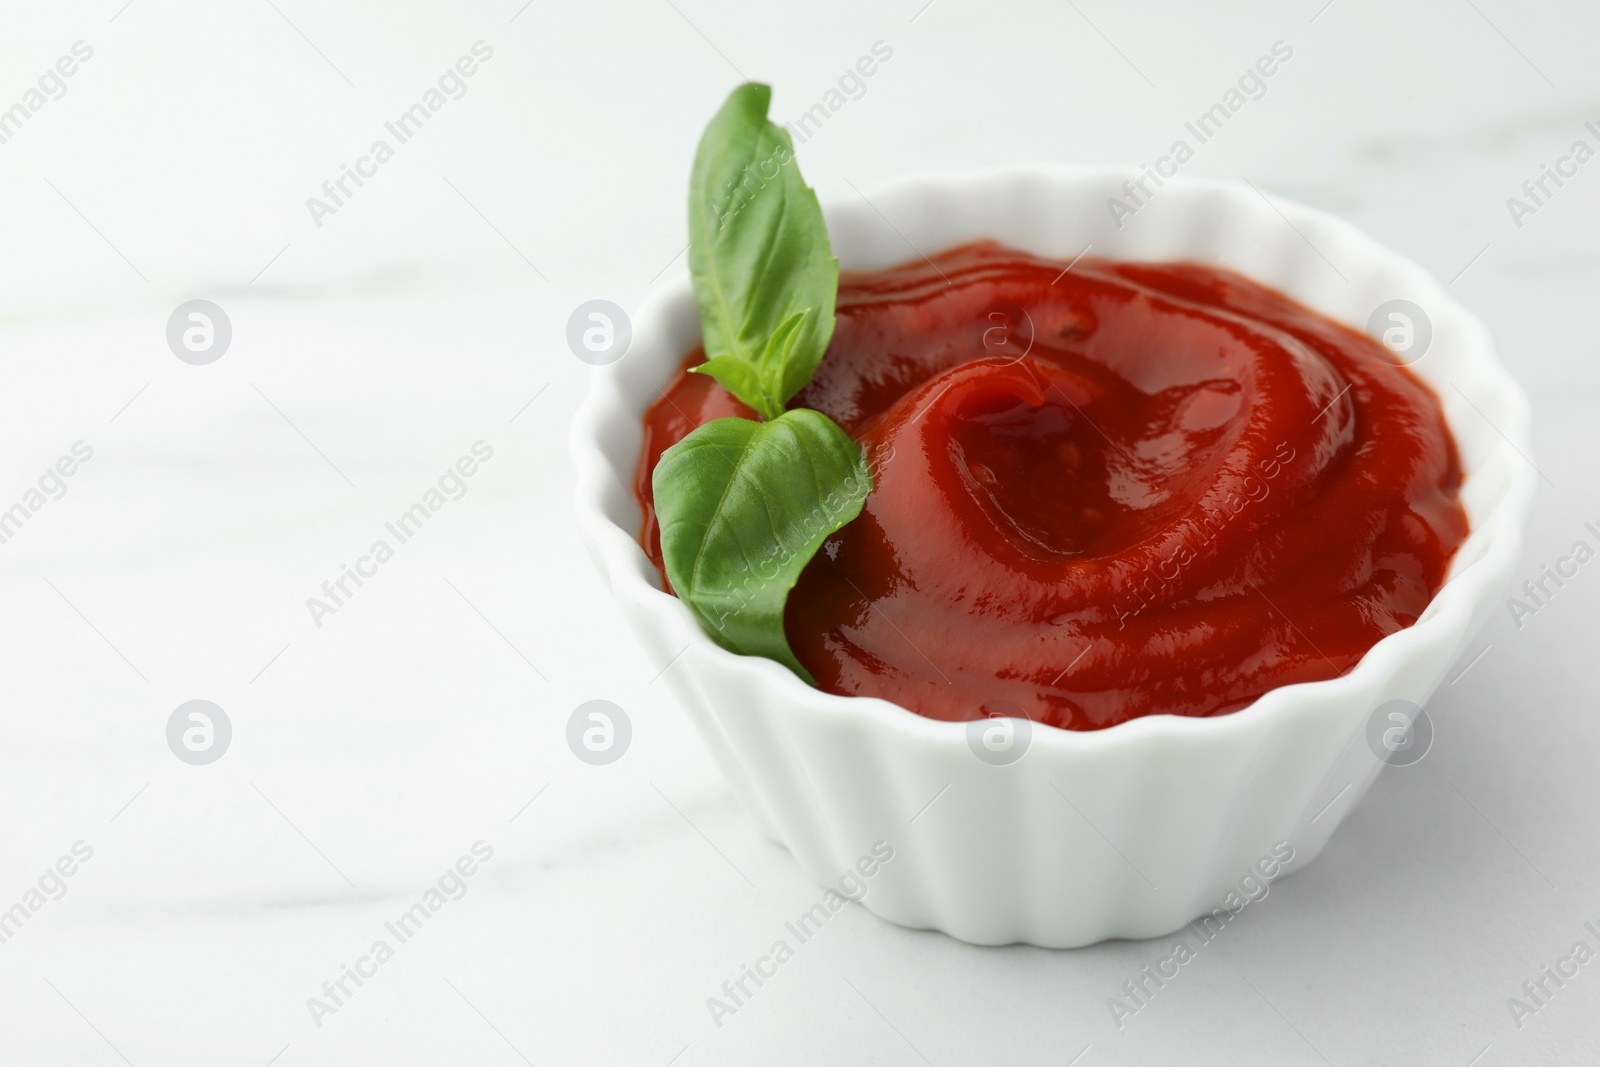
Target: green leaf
{"points": [[743, 507], [759, 256]]}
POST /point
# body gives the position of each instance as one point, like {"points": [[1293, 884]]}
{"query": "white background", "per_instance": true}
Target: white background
{"points": [[425, 315]]}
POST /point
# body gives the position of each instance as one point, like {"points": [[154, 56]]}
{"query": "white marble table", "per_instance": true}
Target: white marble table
{"points": [[426, 714]]}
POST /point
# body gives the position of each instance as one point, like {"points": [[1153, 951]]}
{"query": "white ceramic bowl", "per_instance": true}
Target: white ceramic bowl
{"points": [[1125, 832]]}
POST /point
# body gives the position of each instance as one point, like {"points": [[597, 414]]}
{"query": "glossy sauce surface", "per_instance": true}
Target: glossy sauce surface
{"points": [[1105, 492]]}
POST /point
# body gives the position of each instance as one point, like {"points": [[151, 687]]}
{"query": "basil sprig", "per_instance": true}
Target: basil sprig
{"points": [[744, 505]]}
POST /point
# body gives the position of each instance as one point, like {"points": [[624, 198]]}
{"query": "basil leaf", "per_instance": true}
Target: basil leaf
{"points": [[763, 271], [743, 507]]}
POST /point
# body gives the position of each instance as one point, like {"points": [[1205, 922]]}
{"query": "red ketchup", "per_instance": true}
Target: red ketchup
{"points": [[1105, 492]]}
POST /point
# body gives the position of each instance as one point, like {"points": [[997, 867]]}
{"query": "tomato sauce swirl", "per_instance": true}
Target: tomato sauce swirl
{"points": [[1103, 492]]}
